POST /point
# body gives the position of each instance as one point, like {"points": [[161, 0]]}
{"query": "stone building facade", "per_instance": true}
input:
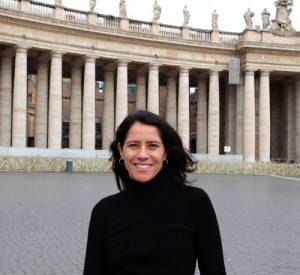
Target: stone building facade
{"points": [[53, 59]]}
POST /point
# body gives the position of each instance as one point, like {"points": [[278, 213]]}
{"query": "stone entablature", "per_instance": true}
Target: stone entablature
{"points": [[106, 33]]}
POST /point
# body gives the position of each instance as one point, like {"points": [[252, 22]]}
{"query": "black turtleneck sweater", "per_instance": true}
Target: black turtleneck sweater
{"points": [[154, 228]]}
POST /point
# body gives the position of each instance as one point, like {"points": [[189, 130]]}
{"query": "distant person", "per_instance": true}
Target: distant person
{"points": [[156, 224]]}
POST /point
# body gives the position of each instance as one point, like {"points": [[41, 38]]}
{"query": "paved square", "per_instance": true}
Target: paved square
{"points": [[44, 220]]}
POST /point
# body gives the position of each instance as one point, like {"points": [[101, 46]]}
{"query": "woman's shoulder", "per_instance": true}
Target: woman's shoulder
{"points": [[107, 202], [196, 194]]}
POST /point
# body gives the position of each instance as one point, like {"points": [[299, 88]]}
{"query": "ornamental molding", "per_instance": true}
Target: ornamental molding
{"points": [[278, 52], [116, 35]]}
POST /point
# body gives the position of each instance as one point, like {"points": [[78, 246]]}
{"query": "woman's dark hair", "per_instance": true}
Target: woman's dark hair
{"points": [[179, 160]]}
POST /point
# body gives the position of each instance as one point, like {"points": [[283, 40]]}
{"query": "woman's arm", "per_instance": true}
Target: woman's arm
{"points": [[210, 252], [95, 256]]}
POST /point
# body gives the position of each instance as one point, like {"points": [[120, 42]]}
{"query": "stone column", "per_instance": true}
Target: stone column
{"points": [[184, 107], [5, 100], [214, 114], [230, 109], [89, 102], [55, 102], [153, 89], [264, 117], [290, 121], [202, 116], [122, 93], [19, 120], [75, 106], [108, 121], [239, 137], [249, 117], [140, 102], [171, 114], [297, 115], [41, 104]]}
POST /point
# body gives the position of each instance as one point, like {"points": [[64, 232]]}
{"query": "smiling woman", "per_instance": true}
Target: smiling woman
{"points": [[156, 224]]}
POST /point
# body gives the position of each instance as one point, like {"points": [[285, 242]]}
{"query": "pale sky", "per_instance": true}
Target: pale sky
{"points": [[230, 11]]}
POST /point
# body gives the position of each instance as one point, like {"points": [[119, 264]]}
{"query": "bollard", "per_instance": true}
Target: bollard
{"points": [[69, 166]]}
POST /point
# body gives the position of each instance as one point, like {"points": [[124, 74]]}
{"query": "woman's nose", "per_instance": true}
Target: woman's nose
{"points": [[143, 152]]}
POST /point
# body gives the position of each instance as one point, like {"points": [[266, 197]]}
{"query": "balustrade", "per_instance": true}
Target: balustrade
{"points": [[168, 30], [41, 9], [229, 37], [75, 16], [108, 21], [10, 4], [139, 26], [201, 35]]}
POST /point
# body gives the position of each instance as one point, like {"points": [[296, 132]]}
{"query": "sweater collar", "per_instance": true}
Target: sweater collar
{"points": [[145, 189]]}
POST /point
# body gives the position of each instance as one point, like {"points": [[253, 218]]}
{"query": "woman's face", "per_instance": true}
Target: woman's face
{"points": [[143, 152]]}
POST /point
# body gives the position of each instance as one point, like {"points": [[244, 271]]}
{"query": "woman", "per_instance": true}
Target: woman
{"points": [[156, 224]]}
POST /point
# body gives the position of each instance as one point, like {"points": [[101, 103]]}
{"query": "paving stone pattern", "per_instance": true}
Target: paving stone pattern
{"points": [[44, 220]]}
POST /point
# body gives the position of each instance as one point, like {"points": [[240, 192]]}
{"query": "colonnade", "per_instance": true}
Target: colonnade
{"points": [[240, 104]]}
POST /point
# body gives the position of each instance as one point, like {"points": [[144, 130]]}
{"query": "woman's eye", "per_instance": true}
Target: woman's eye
{"points": [[153, 145], [132, 145]]}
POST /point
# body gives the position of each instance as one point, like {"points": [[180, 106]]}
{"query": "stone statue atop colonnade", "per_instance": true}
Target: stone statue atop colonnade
{"points": [[93, 4], [156, 12], [282, 23], [122, 9], [58, 3]]}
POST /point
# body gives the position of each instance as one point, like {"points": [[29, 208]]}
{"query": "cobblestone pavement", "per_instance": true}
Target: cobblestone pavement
{"points": [[44, 220]]}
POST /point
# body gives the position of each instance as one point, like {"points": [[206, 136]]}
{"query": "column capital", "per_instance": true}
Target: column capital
{"points": [[77, 62], [184, 70], [57, 54], [153, 66], [214, 71], [21, 48], [265, 72], [43, 58], [123, 62], [202, 76], [172, 73], [90, 58], [110, 67], [249, 72], [142, 69], [8, 53], [297, 78]]}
